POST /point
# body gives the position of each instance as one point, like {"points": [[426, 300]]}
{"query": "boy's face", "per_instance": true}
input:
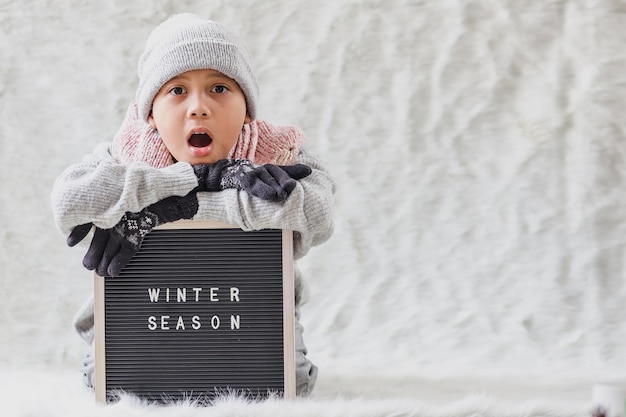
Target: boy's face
{"points": [[199, 115]]}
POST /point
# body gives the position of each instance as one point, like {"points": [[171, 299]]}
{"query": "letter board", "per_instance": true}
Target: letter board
{"points": [[201, 309]]}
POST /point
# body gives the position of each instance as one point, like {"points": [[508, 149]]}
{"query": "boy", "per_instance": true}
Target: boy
{"points": [[191, 147]]}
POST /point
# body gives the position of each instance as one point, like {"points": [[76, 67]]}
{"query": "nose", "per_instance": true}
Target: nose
{"points": [[198, 107]]}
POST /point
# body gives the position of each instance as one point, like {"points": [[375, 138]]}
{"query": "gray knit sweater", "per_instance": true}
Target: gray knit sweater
{"points": [[100, 190]]}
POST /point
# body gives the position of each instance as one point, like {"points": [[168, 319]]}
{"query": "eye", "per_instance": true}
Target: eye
{"points": [[176, 91], [220, 89]]}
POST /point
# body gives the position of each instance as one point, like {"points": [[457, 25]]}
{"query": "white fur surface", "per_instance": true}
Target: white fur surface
{"points": [[477, 267], [59, 393]]}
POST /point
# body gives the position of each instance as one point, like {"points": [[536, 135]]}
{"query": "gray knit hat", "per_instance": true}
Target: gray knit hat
{"points": [[187, 42]]}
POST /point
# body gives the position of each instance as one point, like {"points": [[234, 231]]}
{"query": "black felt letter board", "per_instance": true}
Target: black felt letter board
{"points": [[198, 312]]}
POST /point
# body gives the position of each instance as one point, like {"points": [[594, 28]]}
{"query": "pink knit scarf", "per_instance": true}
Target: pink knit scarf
{"points": [[259, 142]]}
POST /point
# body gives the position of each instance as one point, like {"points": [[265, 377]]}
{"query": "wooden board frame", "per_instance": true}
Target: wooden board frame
{"points": [[288, 307]]}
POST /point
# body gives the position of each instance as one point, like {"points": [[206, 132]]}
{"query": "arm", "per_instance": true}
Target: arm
{"points": [[101, 191], [307, 211]]}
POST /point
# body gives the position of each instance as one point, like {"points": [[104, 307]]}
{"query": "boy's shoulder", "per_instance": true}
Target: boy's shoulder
{"points": [[100, 153]]}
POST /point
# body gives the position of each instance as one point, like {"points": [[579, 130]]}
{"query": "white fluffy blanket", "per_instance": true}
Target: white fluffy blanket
{"points": [[59, 394]]}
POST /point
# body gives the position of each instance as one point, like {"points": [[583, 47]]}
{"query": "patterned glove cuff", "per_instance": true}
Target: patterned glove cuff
{"points": [[232, 175], [134, 226]]}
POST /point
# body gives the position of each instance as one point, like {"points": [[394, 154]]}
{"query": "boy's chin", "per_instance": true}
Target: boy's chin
{"points": [[210, 159], [199, 155]]}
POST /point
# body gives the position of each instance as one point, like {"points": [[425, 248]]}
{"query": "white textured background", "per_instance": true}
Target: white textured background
{"points": [[479, 150]]}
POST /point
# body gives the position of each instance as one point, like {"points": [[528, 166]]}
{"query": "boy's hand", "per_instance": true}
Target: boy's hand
{"points": [[111, 249], [273, 182], [268, 182], [217, 176]]}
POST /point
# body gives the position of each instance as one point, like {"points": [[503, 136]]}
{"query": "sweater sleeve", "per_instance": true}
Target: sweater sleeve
{"points": [[308, 210], [100, 190]]}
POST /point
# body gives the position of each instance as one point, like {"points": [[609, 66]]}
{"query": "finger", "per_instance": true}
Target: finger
{"points": [[263, 191], [112, 248], [121, 259], [297, 171], [96, 249], [260, 183], [78, 234], [274, 178], [264, 175], [289, 186], [285, 183]]}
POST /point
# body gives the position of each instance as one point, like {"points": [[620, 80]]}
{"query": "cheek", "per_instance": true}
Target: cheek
{"points": [[154, 118], [232, 143], [167, 130], [161, 122], [162, 107], [235, 132]]}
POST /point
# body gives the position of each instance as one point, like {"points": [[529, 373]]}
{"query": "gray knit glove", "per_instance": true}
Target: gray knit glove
{"points": [[111, 249], [267, 182]]}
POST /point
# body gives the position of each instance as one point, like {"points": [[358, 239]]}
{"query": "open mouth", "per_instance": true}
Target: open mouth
{"points": [[200, 140]]}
